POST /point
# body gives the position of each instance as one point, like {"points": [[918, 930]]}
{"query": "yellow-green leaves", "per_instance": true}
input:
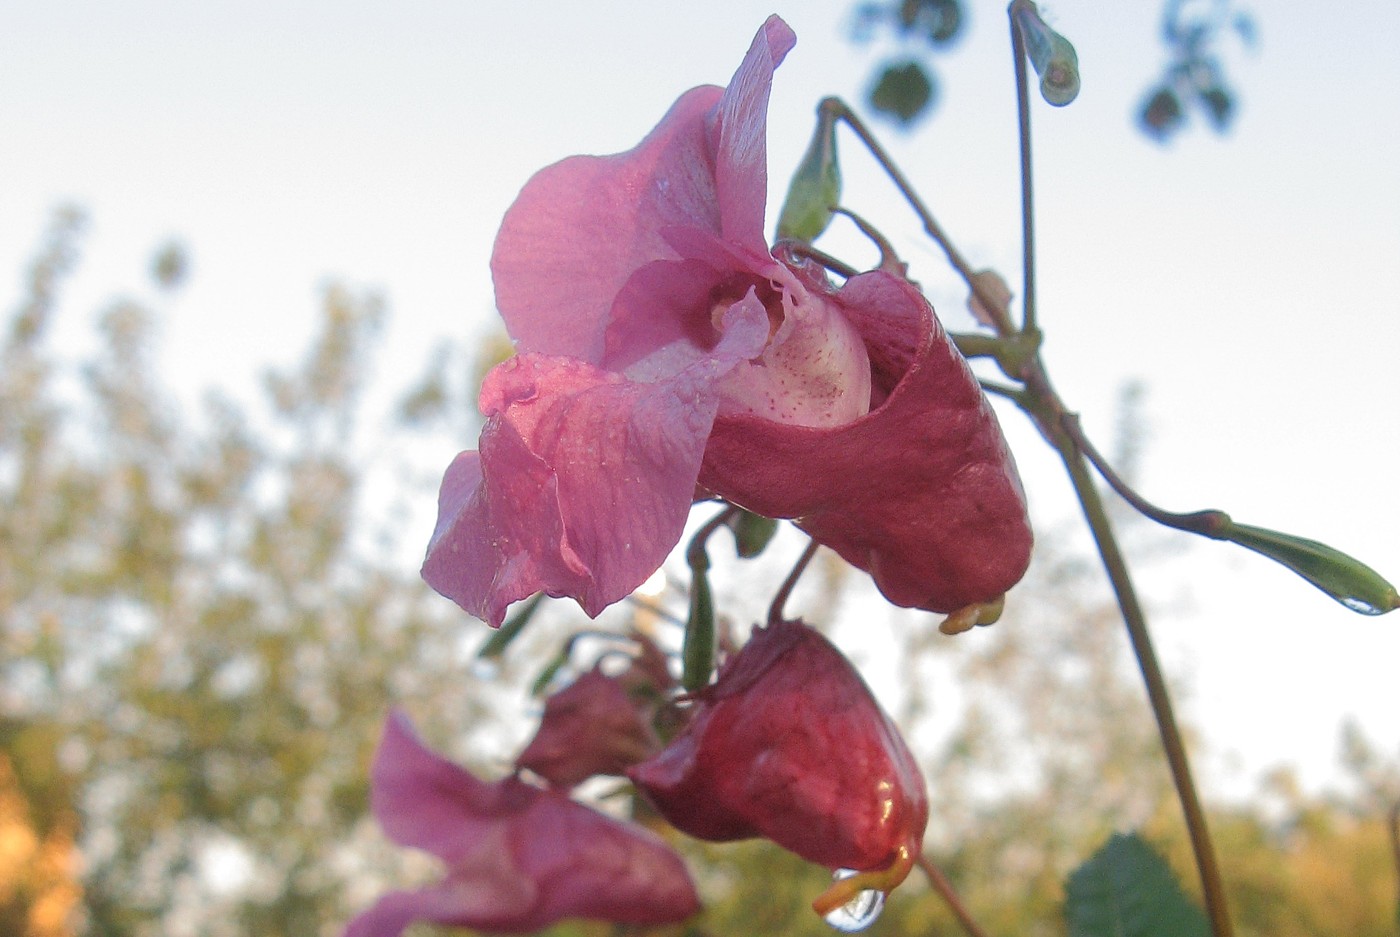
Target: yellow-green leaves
{"points": [[816, 186]]}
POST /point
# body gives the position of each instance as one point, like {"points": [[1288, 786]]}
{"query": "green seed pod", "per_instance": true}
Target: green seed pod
{"points": [[816, 186], [1346, 579]]}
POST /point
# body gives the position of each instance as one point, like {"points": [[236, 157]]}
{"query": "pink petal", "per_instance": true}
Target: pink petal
{"points": [[741, 166], [921, 492], [519, 858], [580, 228], [584, 479]]}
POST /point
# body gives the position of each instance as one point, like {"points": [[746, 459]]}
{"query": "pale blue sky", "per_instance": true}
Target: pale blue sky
{"points": [[1253, 282]]}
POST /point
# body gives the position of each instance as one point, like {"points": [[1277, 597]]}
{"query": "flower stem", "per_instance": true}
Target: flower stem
{"points": [[775, 611], [1023, 128], [1048, 411], [698, 646], [950, 897], [931, 226]]}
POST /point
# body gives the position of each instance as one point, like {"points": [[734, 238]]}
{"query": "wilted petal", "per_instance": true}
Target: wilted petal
{"points": [[922, 492], [591, 727], [518, 858], [789, 744]]}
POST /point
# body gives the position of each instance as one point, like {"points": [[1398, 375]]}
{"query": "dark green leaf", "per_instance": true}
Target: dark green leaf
{"points": [[1128, 890], [904, 91]]}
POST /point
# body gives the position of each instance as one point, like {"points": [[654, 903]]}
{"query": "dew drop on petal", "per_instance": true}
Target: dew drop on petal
{"points": [[858, 913]]}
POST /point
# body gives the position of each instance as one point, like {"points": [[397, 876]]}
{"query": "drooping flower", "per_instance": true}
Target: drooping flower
{"points": [[664, 349], [788, 744], [590, 727], [518, 857]]}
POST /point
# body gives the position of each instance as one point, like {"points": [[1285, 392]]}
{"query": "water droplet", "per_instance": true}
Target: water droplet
{"points": [[1360, 605], [858, 913]]}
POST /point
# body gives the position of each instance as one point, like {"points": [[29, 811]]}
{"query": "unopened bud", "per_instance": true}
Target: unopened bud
{"points": [[816, 186], [1346, 579], [1051, 55]]}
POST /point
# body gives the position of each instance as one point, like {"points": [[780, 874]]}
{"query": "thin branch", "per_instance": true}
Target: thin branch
{"points": [[931, 225], [775, 611], [1212, 886], [950, 897], [1023, 132]]}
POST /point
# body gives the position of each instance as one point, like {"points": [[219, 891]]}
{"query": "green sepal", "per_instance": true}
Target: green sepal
{"points": [[752, 533], [1345, 578], [510, 629]]}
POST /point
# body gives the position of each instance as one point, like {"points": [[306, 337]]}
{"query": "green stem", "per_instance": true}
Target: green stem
{"points": [[1023, 128], [775, 611], [1048, 411], [931, 225]]}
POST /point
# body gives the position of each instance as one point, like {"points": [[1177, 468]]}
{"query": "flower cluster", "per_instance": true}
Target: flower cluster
{"points": [[666, 352], [787, 744]]}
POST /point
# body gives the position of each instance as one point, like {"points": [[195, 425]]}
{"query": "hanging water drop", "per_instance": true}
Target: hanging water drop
{"points": [[858, 913]]}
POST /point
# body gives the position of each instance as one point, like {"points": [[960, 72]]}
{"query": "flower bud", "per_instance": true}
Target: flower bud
{"points": [[816, 186], [789, 744], [1051, 54], [591, 727]]}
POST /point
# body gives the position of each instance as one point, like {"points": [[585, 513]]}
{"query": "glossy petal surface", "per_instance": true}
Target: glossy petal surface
{"points": [[789, 744]]}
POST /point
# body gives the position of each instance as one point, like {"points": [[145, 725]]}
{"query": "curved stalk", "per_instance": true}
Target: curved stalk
{"points": [[950, 897]]}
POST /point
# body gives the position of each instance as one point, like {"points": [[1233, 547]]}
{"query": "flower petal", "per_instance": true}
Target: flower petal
{"points": [[921, 492], [590, 727], [741, 164], [519, 858], [584, 478], [790, 745], [580, 228]]}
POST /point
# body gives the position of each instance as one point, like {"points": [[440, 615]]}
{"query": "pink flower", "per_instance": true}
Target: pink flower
{"points": [[664, 347], [518, 858], [789, 744]]}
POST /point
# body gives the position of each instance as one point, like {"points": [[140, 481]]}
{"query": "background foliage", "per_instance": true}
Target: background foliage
{"points": [[202, 626]]}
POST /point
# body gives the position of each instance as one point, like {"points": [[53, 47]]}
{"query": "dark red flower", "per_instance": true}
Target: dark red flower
{"points": [[790, 745], [593, 726]]}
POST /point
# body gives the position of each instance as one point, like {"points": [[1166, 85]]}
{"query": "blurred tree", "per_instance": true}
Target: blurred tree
{"points": [[198, 616], [202, 624]]}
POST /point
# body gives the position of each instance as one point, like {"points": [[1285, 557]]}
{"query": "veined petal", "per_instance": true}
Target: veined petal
{"points": [[921, 492], [741, 164], [583, 481]]}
